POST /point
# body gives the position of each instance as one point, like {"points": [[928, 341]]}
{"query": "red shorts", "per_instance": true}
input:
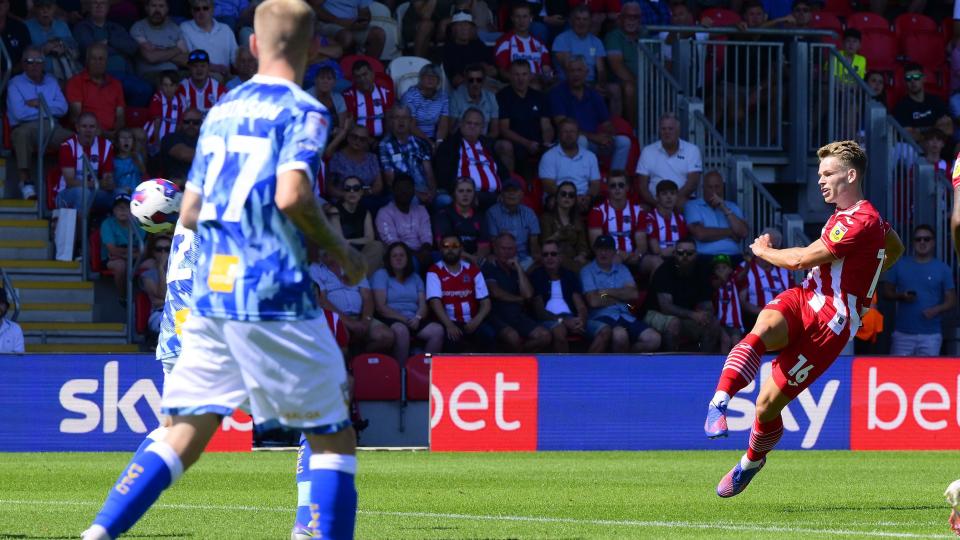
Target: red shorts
{"points": [[812, 345]]}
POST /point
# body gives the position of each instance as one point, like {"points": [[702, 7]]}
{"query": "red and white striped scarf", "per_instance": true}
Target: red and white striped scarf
{"points": [[477, 163]]}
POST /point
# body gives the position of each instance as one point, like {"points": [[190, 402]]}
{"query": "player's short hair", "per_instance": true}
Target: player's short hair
{"points": [[849, 153], [546, 243], [283, 28], [665, 185]]}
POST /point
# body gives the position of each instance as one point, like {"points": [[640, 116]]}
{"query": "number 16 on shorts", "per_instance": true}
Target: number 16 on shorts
{"points": [[799, 372]]}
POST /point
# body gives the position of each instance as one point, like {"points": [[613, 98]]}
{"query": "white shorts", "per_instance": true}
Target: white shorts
{"points": [[292, 373]]}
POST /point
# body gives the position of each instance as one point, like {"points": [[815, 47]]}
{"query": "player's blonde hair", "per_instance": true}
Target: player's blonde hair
{"points": [[284, 28], [849, 153]]}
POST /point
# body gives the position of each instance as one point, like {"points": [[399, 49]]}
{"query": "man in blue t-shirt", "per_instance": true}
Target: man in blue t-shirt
{"points": [[924, 290]]}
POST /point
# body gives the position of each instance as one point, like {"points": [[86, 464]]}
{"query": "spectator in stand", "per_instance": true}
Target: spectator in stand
{"points": [[468, 153], [355, 223], [579, 41], [348, 23], [484, 23], [726, 303], [368, 102], [509, 215], [422, 21], [761, 282], [933, 142], [355, 160], [86, 158], [165, 110], [402, 152], [92, 90], [510, 290], [179, 147], [564, 226], [623, 54], [465, 48], [200, 90], [578, 101], [14, 34], [245, 67], [205, 33], [353, 303], [234, 12], [11, 335], [549, 19], [680, 303], [624, 221], [558, 302], [458, 297], [23, 112], [716, 225], [463, 220], [402, 221], [128, 164], [665, 225], [473, 94], [429, 105], [851, 46], [568, 160], [670, 158], [114, 238], [324, 90], [654, 12], [153, 277], [610, 289], [923, 289], [877, 83], [918, 110], [400, 297], [162, 46], [524, 121], [519, 44], [122, 49], [53, 37]]}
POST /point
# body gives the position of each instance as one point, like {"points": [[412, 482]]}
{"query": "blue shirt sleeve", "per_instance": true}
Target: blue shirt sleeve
{"points": [[588, 279], [532, 220], [303, 142], [692, 213], [379, 280]]}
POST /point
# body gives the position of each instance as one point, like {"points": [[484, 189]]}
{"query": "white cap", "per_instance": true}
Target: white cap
{"points": [[462, 17]]}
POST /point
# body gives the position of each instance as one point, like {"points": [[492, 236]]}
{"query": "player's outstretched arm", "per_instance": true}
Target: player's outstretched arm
{"points": [[296, 200], [798, 258], [893, 249]]}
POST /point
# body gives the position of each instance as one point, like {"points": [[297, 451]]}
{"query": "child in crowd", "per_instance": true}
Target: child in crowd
{"points": [[165, 109], [726, 302], [128, 166], [114, 239]]}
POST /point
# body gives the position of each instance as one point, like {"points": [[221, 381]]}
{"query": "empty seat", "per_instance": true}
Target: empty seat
{"points": [[721, 16], [376, 377], [418, 378], [927, 49], [840, 8], [880, 50], [866, 21], [405, 72], [142, 309], [913, 23], [823, 20]]}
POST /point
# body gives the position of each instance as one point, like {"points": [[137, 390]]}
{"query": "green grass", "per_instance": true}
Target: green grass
{"points": [[543, 495]]}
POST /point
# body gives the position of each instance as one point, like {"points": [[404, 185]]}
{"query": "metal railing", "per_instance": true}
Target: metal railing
{"points": [[657, 91], [12, 293], [46, 124], [837, 98], [909, 181], [759, 207], [131, 308], [714, 150], [941, 228], [794, 236], [87, 175]]}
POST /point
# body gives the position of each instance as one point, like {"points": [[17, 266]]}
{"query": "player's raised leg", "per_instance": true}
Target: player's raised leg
{"points": [[770, 333]]}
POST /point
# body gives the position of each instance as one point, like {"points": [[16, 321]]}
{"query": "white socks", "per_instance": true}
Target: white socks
{"points": [[720, 399]]}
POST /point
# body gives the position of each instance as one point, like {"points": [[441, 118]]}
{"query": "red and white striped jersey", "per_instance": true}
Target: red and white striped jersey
{"points": [[838, 290], [337, 328], [762, 285], [166, 110], [477, 163], [201, 98], [667, 231], [460, 292], [621, 224], [99, 155], [512, 47], [726, 302], [369, 108]]}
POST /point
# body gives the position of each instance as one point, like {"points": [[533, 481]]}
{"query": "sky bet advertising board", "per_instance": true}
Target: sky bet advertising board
{"points": [[54, 403]]}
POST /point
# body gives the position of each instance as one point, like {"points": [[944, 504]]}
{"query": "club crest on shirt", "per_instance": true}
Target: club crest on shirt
{"points": [[837, 232]]}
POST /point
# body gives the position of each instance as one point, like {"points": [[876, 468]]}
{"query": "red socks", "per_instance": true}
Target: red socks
{"points": [[763, 437], [742, 364]]}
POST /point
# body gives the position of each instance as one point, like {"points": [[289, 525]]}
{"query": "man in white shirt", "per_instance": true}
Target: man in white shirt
{"points": [[206, 33], [11, 336], [670, 158]]}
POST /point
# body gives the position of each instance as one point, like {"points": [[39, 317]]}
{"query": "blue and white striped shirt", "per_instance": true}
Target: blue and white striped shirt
{"points": [[426, 112]]}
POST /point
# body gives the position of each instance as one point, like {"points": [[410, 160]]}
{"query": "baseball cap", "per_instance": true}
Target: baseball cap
{"points": [[198, 55], [462, 16], [123, 197], [604, 241]]}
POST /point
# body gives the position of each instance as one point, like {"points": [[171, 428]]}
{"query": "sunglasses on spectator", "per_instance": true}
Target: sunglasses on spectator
{"points": [[475, 79], [568, 194], [192, 122], [617, 185], [685, 253], [551, 253], [914, 76], [923, 239], [451, 245], [353, 187], [33, 60]]}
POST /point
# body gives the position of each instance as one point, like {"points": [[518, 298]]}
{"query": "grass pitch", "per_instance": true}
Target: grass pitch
{"points": [[504, 496]]}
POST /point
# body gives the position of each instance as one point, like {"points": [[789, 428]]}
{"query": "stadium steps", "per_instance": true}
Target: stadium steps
{"points": [[74, 333], [81, 348], [25, 229], [56, 312], [16, 209], [34, 291], [24, 249]]}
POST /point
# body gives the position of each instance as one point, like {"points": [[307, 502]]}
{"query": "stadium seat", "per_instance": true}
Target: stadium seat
{"points": [[401, 11], [880, 49], [405, 72], [927, 49], [94, 244], [418, 378], [721, 16], [823, 20], [913, 23], [52, 179], [346, 65], [381, 17], [136, 117], [376, 377], [866, 21], [840, 8], [141, 304], [946, 28]]}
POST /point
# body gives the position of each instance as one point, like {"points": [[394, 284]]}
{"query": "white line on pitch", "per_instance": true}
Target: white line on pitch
{"points": [[526, 519]]}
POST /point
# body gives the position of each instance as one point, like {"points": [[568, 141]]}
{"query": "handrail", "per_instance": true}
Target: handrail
{"points": [[131, 313], [905, 135], [850, 70], [43, 139], [87, 172], [660, 69], [657, 28], [5, 56], [12, 292], [758, 186]]}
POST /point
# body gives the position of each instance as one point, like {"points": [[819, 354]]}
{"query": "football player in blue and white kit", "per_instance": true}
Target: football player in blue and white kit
{"points": [[252, 333]]}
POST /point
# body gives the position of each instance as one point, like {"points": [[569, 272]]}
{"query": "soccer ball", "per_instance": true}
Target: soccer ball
{"points": [[156, 205]]}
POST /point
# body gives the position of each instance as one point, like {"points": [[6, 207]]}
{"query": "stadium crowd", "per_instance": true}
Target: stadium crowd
{"points": [[499, 193]]}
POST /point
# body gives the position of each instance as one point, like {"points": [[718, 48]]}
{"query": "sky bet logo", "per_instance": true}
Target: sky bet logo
{"points": [[83, 397]]}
